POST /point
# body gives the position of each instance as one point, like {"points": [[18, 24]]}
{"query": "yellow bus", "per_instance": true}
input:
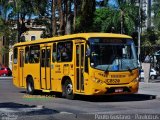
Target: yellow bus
{"points": [[84, 63]]}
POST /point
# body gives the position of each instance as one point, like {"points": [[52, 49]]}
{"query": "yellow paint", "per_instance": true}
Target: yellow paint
{"points": [[50, 78]]}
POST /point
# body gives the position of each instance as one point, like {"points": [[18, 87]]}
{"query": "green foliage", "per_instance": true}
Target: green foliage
{"points": [[99, 19], [156, 10], [88, 17], [4, 50], [149, 36], [122, 19], [85, 17]]}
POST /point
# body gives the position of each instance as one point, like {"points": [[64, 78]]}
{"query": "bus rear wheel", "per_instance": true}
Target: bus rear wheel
{"points": [[68, 89], [30, 86]]}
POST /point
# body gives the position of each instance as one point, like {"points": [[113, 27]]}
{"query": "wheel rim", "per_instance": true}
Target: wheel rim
{"points": [[69, 89], [29, 87], [4, 75], [152, 77]]}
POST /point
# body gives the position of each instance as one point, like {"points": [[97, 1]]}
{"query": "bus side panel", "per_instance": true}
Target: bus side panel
{"points": [[34, 71], [61, 69], [15, 75], [15, 67], [56, 77]]}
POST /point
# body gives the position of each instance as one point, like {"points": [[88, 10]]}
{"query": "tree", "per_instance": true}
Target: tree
{"points": [[150, 36], [68, 19], [22, 10], [85, 16], [120, 20], [5, 31], [75, 15], [156, 10], [53, 18]]}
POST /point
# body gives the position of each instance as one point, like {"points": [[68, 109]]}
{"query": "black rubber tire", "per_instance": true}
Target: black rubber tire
{"points": [[152, 77], [30, 86], [68, 90]]}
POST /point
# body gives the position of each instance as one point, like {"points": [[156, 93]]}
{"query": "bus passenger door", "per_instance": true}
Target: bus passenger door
{"points": [[80, 67], [21, 66], [45, 74]]}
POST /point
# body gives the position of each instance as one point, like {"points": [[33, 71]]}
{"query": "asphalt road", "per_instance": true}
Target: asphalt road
{"points": [[15, 104]]}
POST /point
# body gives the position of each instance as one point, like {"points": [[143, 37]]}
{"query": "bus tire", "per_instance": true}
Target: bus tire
{"points": [[30, 86], [68, 90]]}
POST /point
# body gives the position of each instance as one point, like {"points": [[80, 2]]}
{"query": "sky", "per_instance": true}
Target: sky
{"points": [[113, 3]]}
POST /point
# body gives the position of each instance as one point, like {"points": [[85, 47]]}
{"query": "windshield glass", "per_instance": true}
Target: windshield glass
{"points": [[113, 54]]}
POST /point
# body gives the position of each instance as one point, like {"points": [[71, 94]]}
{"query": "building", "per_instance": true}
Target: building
{"points": [[34, 33]]}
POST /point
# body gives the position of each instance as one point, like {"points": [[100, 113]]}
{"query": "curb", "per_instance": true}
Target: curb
{"points": [[6, 78]]}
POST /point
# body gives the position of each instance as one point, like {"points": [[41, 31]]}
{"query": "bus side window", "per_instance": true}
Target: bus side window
{"points": [[59, 47], [26, 54], [31, 57], [54, 54], [34, 54], [15, 55], [64, 51]]}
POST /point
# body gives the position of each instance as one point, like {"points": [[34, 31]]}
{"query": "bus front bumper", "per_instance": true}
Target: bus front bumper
{"points": [[130, 88]]}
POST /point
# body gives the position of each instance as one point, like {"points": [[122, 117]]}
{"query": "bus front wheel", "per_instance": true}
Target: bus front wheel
{"points": [[68, 89], [30, 86]]}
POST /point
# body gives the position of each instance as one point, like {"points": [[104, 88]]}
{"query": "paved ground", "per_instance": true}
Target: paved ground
{"points": [[15, 106], [150, 88]]}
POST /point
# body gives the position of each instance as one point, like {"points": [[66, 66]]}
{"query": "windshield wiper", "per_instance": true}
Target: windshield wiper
{"points": [[107, 71]]}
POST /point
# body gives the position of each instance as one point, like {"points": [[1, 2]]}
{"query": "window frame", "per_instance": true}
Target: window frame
{"points": [[33, 59], [15, 55], [34, 37]]}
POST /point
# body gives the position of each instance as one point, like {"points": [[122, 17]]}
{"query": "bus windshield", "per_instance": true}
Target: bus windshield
{"points": [[113, 54]]}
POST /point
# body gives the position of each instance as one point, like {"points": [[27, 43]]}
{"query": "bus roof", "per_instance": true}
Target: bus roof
{"points": [[72, 36]]}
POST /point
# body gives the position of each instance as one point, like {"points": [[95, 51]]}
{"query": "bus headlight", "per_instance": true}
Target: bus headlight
{"points": [[136, 80]]}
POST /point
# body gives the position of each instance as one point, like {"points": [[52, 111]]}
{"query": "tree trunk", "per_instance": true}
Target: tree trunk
{"points": [[61, 19], [53, 18], [75, 15], [68, 18]]}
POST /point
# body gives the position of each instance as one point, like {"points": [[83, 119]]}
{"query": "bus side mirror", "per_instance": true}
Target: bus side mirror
{"points": [[88, 52]]}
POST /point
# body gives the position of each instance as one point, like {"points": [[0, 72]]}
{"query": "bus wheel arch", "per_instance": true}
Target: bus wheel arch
{"points": [[67, 88], [30, 85]]}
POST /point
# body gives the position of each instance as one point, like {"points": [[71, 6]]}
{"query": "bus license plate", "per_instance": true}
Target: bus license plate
{"points": [[119, 90]]}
